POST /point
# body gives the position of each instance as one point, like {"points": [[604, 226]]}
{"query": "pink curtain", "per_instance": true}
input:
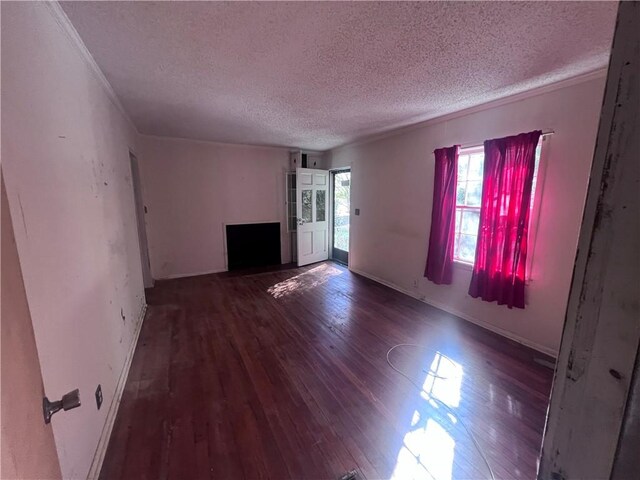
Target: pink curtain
{"points": [[443, 216], [501, 252]]}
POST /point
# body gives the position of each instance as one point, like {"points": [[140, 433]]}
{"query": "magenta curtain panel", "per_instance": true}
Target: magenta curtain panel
{"points": [[439, 267], [501, 252]]}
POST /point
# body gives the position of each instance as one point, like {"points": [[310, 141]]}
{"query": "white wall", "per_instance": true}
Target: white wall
{"points": [[392, 184], [65, 157], [192, 188]]}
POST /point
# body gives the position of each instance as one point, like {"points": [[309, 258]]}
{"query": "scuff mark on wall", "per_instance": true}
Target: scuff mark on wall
{"points": [[24, 222]]}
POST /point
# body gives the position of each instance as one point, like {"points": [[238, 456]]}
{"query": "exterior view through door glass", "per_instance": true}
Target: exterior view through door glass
{"points": [[341, 210]]}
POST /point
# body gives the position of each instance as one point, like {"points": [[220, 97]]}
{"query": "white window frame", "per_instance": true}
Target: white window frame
{"points": [[475, 149], [534, 216]]}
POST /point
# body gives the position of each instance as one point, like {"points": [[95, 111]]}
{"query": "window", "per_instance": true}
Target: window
{"points": [[320, 205], [469, 198], [306, 206]]}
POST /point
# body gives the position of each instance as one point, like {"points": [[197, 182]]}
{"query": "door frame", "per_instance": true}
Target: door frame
{"points": [[322, 254], [342, 257], [141, 221]]}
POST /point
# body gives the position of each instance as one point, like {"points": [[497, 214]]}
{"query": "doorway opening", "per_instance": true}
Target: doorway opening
{"points": [[341, 200], [140, 210]]}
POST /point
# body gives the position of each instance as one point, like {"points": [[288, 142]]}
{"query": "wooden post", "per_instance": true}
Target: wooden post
{"points": [[602, 327]]}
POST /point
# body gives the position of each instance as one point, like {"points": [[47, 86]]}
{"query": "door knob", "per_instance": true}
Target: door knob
{"points": [[67, 402]]}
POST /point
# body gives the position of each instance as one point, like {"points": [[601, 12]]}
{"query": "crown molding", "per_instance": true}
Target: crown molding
{"points": [[231, 144], [69, 30], [170, 138], [516, 97]]}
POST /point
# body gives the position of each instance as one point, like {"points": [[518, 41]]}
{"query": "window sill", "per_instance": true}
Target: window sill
{"points": [[463, 266]]}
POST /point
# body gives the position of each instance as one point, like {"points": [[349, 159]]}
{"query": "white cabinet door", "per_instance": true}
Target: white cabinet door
{"points": [[312, 202]]}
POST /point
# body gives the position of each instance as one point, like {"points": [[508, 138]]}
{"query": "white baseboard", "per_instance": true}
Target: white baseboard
{"points": [[103, 442], [194, 274], [464, 316]]}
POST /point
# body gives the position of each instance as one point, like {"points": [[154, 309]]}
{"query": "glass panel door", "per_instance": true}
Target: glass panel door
{"points": [[341, 213]]}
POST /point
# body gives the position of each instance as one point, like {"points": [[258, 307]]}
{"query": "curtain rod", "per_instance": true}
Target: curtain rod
{"points": [[545, 133]]}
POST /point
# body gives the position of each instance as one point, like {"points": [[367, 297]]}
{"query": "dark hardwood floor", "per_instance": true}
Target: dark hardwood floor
{"points": [[283, 374]]}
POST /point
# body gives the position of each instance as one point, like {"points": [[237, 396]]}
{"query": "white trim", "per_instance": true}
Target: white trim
{"points": [[194, 274], [251, 223], [471, 149], [463, 265], [534, 92], [103, 441], [535, 213], [464, 316], [330, 233], [287, 203], [72, 34]]}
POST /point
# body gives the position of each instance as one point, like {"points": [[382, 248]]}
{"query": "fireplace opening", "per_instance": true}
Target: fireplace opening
{"points": [[253, 245]]}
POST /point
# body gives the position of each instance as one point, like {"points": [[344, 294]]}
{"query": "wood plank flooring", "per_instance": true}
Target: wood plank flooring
{"points": [[283, 374]]}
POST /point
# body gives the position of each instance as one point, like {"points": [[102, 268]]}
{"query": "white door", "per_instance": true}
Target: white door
{"points": [[312, 199]]}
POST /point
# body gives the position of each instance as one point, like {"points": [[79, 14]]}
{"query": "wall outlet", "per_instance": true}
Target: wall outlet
{"points": [[415, 284], [99, 396]]}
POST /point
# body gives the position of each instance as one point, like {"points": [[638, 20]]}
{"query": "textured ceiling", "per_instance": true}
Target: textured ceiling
{"points": [[320, 74]]}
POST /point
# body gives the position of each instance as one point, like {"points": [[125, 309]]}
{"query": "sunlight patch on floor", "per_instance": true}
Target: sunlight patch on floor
{"points": [[444, 380], [304, 281], [428, 447]]}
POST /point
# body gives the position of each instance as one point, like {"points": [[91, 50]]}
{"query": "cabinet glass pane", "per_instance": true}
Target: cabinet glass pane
{"points": [[320, 205], [306, 205]]}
